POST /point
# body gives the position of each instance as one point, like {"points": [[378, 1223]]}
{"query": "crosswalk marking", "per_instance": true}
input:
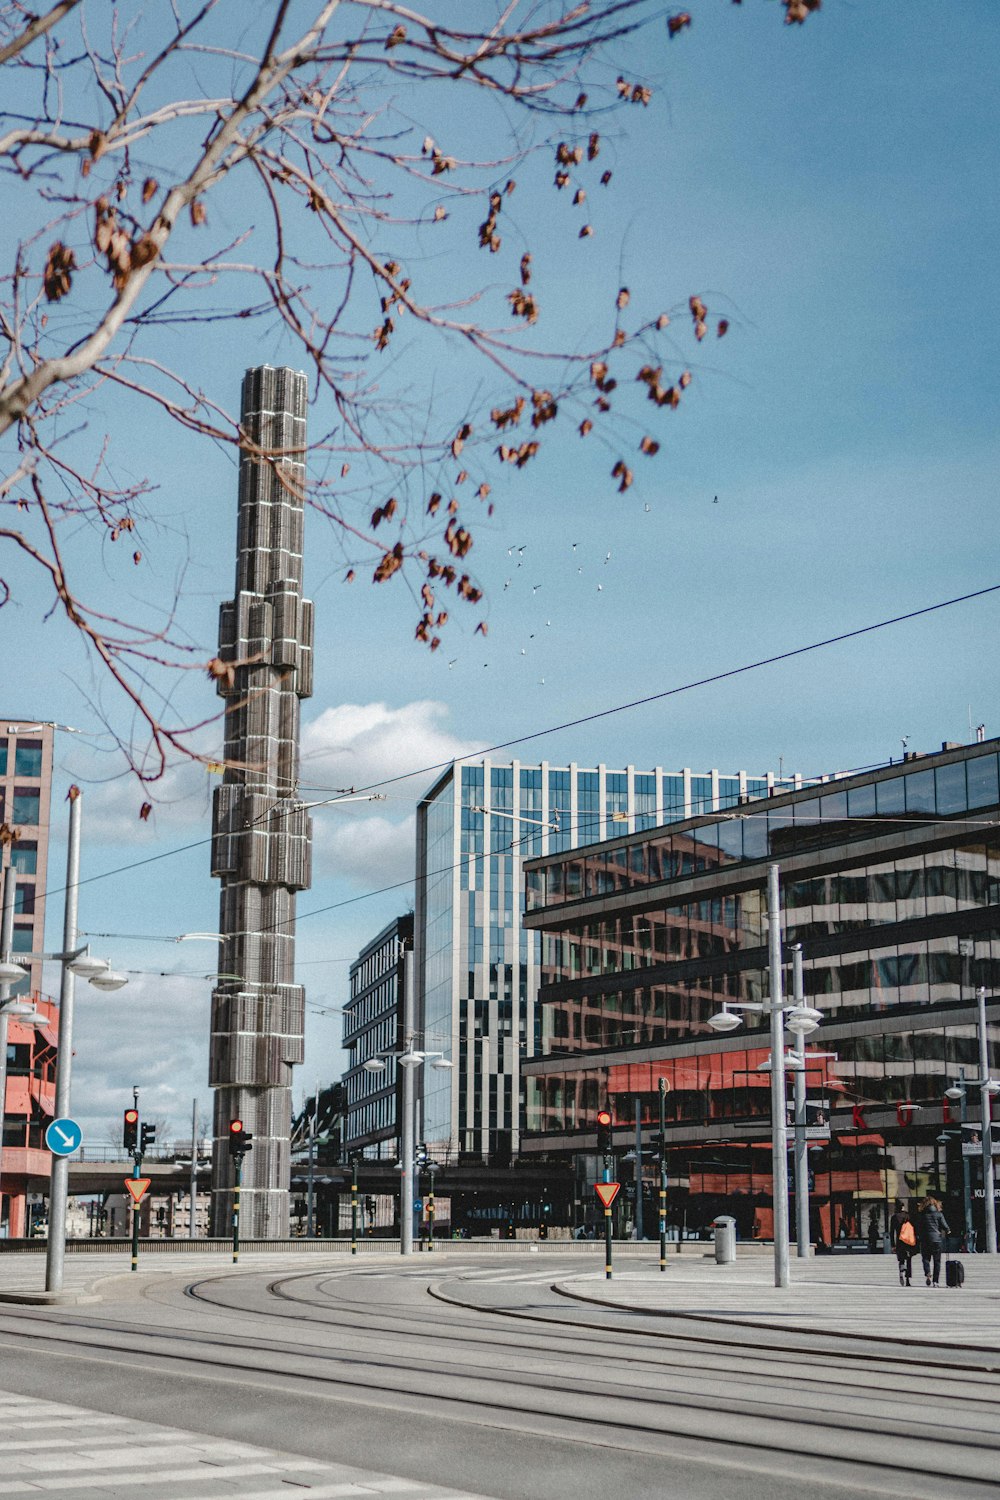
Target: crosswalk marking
{"points": [[50, 1449]]}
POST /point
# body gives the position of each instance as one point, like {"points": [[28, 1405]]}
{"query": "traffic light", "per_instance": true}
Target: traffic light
{"points": [[370, 1205], [239, 1139], [130, 1129], [421, 1155], [604, 1131], [147, 1135]]}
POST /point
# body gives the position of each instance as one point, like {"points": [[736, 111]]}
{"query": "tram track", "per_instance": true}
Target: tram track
{"points": [[486, 1373]]}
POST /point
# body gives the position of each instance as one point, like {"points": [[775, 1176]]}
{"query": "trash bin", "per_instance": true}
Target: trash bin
{"points": [[725, 1240]]}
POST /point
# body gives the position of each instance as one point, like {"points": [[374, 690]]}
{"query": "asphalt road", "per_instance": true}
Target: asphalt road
{"points": [[480, 1373]]}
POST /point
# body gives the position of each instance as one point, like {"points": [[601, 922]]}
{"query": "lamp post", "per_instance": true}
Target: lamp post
{"points": [[799, 1094], [74, 961], [987, 1087], [801, 1020], [959, 1093], [662, 1144], [409, 1058]]}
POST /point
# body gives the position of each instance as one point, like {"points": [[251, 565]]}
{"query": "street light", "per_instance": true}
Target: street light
{"points": [[987, 1087], [73, 960], [408, 1058], [802, 1020]]}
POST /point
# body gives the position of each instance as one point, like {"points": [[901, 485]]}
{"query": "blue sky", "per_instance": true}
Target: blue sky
{"points": [[831, 189]]}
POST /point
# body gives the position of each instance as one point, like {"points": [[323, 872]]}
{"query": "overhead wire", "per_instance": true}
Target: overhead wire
{"points": [[599, 714]]}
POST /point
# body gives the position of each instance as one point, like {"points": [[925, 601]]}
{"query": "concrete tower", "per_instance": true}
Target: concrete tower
{"points": [[261, 835]]}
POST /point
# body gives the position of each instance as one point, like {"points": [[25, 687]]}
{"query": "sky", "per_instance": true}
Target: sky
{"points": [[831, 191]]}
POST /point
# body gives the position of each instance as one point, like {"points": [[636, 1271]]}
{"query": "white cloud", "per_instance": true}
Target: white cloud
{"points": [[359, 744], [154, 1034], [364, 744], [372, 851]]}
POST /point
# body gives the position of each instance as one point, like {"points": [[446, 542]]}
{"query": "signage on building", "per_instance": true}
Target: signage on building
{"points": [[972, 1140]]}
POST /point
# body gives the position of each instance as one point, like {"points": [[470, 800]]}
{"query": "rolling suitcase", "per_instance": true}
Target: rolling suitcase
{"points": [[954, 1273]]}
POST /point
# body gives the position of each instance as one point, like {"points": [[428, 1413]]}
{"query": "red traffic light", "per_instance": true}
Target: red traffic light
{"points": [[235, 1127], [604, 1117], [131, 1116]]}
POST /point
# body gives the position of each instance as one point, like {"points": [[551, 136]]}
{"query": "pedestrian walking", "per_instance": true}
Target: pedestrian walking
{"points": [[903, 1239], [874, 1232], [932, 1226]]}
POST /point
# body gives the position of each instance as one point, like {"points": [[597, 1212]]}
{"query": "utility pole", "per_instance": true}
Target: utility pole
{"points": [[55, 1249], [638, 1170], [663, 1086], [989, 1204], [799, 1094], [194, 1167], [779, 1129]]}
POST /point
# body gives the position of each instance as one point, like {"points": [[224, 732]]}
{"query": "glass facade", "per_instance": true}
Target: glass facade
{"points": [[372, 1031], [891, 885], [477, 966]]}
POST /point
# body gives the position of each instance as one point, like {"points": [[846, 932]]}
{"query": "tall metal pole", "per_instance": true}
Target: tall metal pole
{"points": [[55, 1250], [663, 1175], [966, 1183], [406, 1185], [354, 1207], [6, 939], [311, 1184], [638, 1170], [799, 1094], [194, 1167], [779, 1129], [987, 1131]]}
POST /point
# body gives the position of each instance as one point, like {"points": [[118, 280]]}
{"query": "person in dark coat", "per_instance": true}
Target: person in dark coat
{"points": [[932, 1226], [905, 1248]]}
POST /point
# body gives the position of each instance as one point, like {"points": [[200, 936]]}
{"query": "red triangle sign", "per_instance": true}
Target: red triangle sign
{"points": [[136, 1188], [607, 1192]]}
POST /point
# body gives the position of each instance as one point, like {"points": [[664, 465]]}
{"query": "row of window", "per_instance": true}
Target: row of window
{"points": [[22, 807], [915, 795], [27, 757], [965, 877], [872, 980], [903, 1067]]}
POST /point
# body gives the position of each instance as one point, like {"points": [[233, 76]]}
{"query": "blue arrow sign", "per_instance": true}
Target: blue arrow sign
{"points": [[63, 1137]]}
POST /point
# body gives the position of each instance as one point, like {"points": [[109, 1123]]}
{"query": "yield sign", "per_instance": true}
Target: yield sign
{"points": [[136, 1188], [607, 1192]]}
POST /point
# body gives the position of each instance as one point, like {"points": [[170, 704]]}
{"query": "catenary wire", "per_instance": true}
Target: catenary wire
{"points": [[604, 713]]}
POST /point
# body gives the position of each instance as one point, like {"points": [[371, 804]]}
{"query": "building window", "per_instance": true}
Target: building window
{"points": [[24, 858], [28, 758], [24, 805]]}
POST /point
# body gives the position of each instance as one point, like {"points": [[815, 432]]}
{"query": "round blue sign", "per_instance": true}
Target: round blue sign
{"points": [[63, 1137]]}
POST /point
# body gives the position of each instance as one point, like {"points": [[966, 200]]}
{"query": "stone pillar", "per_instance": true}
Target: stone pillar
{"points": [[261, 834]]}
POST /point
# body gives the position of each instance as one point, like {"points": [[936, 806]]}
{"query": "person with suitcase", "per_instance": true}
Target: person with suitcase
{"points": [[932, 1227], [903, 1239]]}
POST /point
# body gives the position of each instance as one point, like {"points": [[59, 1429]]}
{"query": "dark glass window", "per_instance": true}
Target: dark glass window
{"points": [[950, 787], [28, 758], [861, 801], [24, 900], [24, 805], [3, 759], [833, 808], [982, 777], [890, 796], [920, 792], [24, 858]]}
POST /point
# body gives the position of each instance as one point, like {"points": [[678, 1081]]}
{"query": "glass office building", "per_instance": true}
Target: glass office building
{"points": [[890, 881], [373, 1032], [477, 967]]}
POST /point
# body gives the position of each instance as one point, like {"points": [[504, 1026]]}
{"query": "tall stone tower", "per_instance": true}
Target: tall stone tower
{"points": [[261, 850]]}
